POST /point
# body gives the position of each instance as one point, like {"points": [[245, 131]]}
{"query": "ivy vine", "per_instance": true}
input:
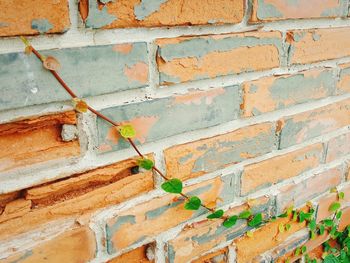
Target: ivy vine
{"points": [[338, 253]]}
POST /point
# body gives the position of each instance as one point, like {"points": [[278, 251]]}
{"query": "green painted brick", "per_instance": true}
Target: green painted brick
{"points": [[89, 71], [161, 118]]}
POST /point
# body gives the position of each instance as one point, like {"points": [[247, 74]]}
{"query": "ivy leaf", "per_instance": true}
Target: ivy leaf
{"points": [[321, 228], [290, 210], [51, 63], [127, 131], [245, 214], [339, 214], [301, 216], [288, 226], [193, 203], [281, 228], [297, 251], [328, 222], [295, 216], [303, 249], [217, 214], [256, 221], [334, 207], [333, 190], [284, 215], [145, 163], [250, 234], [172, 186], [330, 259], [341, 195], [312, 225], [230, 222], [80, 105], [312, 235]]}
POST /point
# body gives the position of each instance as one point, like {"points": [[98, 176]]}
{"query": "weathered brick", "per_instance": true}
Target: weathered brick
{"points": [[160, 118], [74, 196], [136, 13], [277, 92], [265, 238], [325, 201], [36, 140], [146, 220], [192, 58], [318, 45], [298, 194], [345, 219], [270, 10], [33, 17], [196, 158], [219, 256], [137, 255], [111, 68], [338, 147], [277, 169], [77, 245], [201, 237], [343, 85], [303, 126]]}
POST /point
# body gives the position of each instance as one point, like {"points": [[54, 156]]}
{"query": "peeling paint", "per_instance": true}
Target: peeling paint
{"points": [[98, 17], [267, 10], [147, 7], [41, 25]]}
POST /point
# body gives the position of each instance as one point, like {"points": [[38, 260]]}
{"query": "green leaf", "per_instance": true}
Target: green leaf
{"points": [[172, 186], [230, 222], [303, 249], [330, 259], [295, 216], [127, 131], [321, 228], [328, 222], [193, 203], [334, 206], [297, 251], [245, 214], [281, 228], [341, 195], [290, 210], [312, 225], [145, 163], [339, 214], [283, 215], [216, 214], [301, 216], [256, 221], [250, 234], [288, 226], [312, 235]]}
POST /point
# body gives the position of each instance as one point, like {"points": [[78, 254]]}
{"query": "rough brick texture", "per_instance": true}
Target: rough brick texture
{"points": [[246, 101], [136, 13]]}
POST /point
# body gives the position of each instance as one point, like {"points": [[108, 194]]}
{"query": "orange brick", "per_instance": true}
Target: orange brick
{"points": [[136, 13], [76, 245], [265, 238], [277, 169], [345, 219], [72, 197], [203, 236], [138, 255], [219, 256], [298, 128], [146, 220], [308, 189], [343, 85], [338, 147], [191, 58], [33, 17], [278, 92], [197, 158], [319, 44], [270, 10], [35, 140]]}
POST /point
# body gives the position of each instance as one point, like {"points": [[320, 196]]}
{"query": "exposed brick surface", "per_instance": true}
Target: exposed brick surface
{"points": [[196, 158], [270, 10], [136, 13], [192, 58], [277, 169], [76, 245], [33, 17], [338, 147], [138, 255], [343, 84], [36, 140]]}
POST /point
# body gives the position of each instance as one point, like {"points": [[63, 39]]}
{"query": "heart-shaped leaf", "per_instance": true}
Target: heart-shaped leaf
{"points": [[127, 131], [217, 214], [193, 203], [341, 195], [334, 207], [51, 63], [256, 221], [172, 186], [145, 163], [245, 214], [230, 222]]}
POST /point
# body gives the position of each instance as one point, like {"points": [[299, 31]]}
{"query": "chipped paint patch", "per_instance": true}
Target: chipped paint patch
{"points": [[41, 25], [123, 48], [98, 16], [137, 72], [147, 7]]}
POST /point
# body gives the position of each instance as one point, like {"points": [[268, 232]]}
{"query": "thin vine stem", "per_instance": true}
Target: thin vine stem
{"points": [[104, 117]]}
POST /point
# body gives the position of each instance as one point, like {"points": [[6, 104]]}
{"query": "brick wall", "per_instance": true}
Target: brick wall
{"points": [[248, 102]]}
